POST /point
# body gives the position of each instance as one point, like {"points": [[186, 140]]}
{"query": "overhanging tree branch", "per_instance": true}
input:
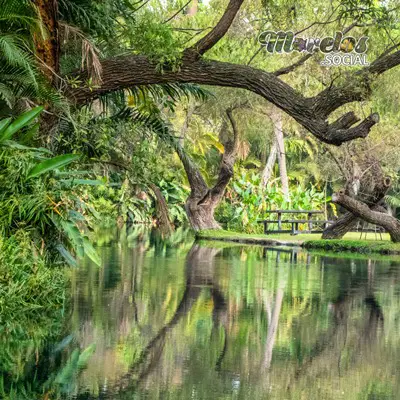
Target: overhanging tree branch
{"points": [[312, 113]]}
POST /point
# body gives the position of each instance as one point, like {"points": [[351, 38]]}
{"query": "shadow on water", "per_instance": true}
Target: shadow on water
{"points": [[177, 319]]}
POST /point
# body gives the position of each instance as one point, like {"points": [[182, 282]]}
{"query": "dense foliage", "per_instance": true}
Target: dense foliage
{"points": [[78, 152]]}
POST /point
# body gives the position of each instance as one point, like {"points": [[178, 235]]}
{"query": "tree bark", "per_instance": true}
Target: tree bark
{"points": [[345, 223], [365, 182], [361, 210], [269, 166], [163, 221], [48, 49], [126, 71], [218, 32], [202, 201], [120, 73], [278, 132]]}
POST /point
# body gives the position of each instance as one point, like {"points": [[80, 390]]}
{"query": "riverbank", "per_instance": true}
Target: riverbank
{"points": [[351, 242]]}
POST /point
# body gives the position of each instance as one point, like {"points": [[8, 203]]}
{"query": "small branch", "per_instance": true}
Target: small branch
{"points": [[336, 135], [178, 12], [255, 55], [141, 6], [219, 31], [337, 162], [292, 67]]}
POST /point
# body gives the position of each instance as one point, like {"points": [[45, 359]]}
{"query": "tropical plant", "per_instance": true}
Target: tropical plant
{"points": [[20, 75], [246, 201], [37, 196]]}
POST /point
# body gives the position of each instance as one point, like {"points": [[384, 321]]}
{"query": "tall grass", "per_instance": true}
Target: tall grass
{"points": [[32, 302]]}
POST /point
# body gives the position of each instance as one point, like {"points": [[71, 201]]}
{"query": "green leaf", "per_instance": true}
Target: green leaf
{"points": [[71, 231], [91, 252], [3, 124], [15, 145], [90, 182], [20, 122], [69, 258], [51, 164]]}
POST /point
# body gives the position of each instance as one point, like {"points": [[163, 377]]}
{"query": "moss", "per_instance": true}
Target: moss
{"points": [[310, 241], [359, 246]]}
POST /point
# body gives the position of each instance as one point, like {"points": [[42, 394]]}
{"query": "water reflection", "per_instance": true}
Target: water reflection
{"points": [[176, 320]]}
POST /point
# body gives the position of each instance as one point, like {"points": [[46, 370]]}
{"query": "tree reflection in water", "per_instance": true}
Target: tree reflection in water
{"points": [[174, 321]]}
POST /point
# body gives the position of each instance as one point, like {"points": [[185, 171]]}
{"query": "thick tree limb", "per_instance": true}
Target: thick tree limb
{"points": [[197, 183], [361, 210], [123, 72]]}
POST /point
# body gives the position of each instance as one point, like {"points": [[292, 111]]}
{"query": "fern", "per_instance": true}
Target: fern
{"points": [[19, 73]]}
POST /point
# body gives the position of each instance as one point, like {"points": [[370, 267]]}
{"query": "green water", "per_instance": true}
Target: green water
{"points": [[179, 320]]}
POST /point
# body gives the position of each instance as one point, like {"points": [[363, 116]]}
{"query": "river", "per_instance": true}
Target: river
{"points": [[177, 319]]}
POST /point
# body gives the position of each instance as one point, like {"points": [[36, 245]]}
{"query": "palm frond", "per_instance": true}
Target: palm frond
{"points": [[393, 200], [154, 96]]}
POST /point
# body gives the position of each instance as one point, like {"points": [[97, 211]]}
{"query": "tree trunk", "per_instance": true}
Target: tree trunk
{"points": [[163, 222], [201, 203], [269, 166], [361, 210], [48, 49], [200, 212], [185, 126], [345, 223], [278, 132]]}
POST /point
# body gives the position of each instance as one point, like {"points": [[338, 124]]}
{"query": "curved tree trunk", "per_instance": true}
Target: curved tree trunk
{"points": [[361, 210], [163, 221], [201, 203]]}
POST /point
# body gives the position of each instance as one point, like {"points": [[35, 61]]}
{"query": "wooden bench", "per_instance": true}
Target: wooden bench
{"points": [[295, 222]]}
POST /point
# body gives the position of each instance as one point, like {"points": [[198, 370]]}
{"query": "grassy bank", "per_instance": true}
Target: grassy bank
{"points": [[351, 242]]}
